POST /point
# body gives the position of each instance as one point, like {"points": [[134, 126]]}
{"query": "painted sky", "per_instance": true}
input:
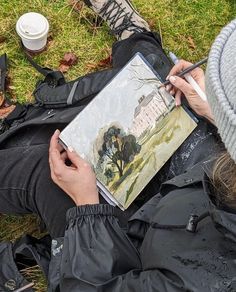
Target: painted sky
{"points": [[115, 103]]}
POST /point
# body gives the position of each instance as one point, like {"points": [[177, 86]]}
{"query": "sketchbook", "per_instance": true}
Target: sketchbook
{"points": [[128, 132]]}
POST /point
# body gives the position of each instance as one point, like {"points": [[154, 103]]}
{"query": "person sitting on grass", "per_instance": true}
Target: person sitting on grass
{"points": [[183, 238]]}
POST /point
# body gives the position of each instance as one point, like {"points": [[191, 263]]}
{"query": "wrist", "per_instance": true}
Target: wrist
{"points": [[90, 199], [209, 116], [210, 119]]}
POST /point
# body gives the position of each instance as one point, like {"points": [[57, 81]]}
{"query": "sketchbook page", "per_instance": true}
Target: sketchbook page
{"points": [[108, 196], [128, 131]]}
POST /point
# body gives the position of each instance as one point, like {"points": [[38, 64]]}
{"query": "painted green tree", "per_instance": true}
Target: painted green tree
{"points": [[109, 174], [118, 148]]}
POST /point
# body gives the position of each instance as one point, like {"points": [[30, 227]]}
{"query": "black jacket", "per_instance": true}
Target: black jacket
{"points": [[97, 255], [156, 254]]}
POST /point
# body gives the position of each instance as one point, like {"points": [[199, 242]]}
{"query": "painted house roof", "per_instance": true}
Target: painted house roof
{"points": [[143, 102]]}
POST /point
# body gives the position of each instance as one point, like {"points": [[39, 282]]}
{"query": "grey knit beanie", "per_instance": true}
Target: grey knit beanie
{"points": [[221, 85]]}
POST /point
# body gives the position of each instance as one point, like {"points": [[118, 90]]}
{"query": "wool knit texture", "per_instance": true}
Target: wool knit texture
{"points": [[221, 85]]}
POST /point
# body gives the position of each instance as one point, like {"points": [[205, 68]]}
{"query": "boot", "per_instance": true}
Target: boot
{"points": [[120, 15]]}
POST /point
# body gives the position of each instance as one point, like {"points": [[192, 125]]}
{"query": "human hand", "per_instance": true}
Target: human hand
{"points": [[181, 86], [77, 180]]}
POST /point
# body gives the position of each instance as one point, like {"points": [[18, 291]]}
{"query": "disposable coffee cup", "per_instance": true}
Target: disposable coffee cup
{"points": [[33, 29]]}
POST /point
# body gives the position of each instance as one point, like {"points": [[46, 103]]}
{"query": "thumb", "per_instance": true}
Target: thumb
{"points": [[74, 157], [181, 84]]}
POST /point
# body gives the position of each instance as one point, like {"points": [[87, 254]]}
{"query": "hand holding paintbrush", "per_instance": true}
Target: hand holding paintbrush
{"points": [[187, 70], [183, 86]]}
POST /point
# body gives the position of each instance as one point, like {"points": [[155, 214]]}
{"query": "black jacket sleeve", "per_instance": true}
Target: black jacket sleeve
{"points": [[98, 256]]}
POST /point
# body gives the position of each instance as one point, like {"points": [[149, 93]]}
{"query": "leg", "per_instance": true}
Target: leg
{"points": [[146, 43], [26, 187], [133, 34]]}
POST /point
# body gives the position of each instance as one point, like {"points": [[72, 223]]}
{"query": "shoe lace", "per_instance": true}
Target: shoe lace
{"points": [[108, 14]]}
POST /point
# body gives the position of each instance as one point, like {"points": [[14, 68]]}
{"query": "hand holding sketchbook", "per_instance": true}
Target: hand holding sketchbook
{"points": [[128, 132]]}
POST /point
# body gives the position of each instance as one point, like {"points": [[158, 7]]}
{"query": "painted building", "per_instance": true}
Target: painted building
{"points": [[150, 108]]}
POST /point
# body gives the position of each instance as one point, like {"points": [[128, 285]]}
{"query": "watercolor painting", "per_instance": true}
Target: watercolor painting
{"points": [[129, 131]]}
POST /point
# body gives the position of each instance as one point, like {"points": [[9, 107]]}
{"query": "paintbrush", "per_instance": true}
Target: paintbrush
{"points": [[185, 71]]}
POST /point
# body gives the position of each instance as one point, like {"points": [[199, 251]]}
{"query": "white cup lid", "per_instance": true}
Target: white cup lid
{"points": [[32, 25]]}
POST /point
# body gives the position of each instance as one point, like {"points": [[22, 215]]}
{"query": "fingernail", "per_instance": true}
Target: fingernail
{"points": [[172, 79], [168, 87], [167, 78], [57, 131], [70, 149], [177, 104], [82, 155]]}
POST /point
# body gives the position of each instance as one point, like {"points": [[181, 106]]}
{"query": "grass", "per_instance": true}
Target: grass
{"points": [[187, 27]]}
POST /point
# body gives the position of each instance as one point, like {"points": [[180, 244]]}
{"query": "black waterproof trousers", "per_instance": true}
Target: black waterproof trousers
{"points": [[25, 183]]}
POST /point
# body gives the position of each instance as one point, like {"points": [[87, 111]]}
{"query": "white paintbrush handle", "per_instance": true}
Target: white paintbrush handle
{"points": [[190, 79], [196, 87]]}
